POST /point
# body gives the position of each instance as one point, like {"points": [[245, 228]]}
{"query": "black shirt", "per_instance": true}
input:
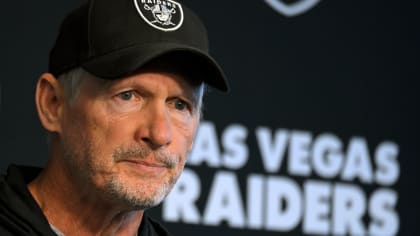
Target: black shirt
{"points": [[20, 215]]}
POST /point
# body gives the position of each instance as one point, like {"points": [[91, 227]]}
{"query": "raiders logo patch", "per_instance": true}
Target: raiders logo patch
{"points": [[165, 15]]}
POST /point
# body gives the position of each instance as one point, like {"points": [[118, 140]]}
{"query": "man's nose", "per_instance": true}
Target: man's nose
{"points": [[156, 130]]}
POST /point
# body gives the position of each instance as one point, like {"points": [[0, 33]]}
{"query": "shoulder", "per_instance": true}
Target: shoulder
{"points": [[19, 213]]}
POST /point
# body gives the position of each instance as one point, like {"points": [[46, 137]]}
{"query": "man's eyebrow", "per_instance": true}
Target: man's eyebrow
{"points": [[109, 85]]}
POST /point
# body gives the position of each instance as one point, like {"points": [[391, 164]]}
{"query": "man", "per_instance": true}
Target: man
{"points": [[121, 105]]}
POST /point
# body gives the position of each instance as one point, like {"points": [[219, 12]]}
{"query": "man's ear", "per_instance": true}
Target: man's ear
{"points": [[49, 102]]}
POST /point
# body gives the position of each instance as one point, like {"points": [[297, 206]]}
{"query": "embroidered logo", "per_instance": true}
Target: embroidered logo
{"points": [[165, 15]]}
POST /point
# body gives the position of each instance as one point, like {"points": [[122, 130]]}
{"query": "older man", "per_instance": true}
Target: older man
{"points": [[121, 105]]}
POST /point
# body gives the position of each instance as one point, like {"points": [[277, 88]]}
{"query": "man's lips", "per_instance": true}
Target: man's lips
{"points": [[148, 164]]}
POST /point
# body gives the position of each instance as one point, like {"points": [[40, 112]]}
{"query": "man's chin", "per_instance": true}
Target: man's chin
{"points": [[142, 205], [139, 197]]}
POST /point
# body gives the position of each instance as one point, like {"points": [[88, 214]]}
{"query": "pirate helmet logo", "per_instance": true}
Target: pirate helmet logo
{"points": [[165, 15]]}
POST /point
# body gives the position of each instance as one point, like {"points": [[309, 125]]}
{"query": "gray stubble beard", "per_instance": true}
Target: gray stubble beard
{"points": [[135, 198], [114, 190]]}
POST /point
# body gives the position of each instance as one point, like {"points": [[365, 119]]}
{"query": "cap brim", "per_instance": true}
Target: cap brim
{"points": [[127, 61]]}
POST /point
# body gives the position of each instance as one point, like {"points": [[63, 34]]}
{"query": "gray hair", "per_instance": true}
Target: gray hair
{"points": [[71, 81]]}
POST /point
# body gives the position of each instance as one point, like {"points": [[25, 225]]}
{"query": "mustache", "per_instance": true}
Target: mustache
{"points": [[161, 156]]}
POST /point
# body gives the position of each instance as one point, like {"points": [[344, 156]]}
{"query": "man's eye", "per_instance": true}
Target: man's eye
{"points": [[180, 105], [126, 95]]}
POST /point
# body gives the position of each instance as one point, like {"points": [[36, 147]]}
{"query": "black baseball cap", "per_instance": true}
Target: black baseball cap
{"points": [[112, 39]]}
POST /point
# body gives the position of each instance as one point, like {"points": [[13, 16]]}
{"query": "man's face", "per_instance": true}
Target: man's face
{"points": [[128, 139]]}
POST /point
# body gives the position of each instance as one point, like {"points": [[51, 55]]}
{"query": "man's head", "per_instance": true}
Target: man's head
{"points": [[127, 103]]}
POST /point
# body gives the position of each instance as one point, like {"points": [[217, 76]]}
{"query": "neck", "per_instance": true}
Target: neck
{"points": [[77, 210]]}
